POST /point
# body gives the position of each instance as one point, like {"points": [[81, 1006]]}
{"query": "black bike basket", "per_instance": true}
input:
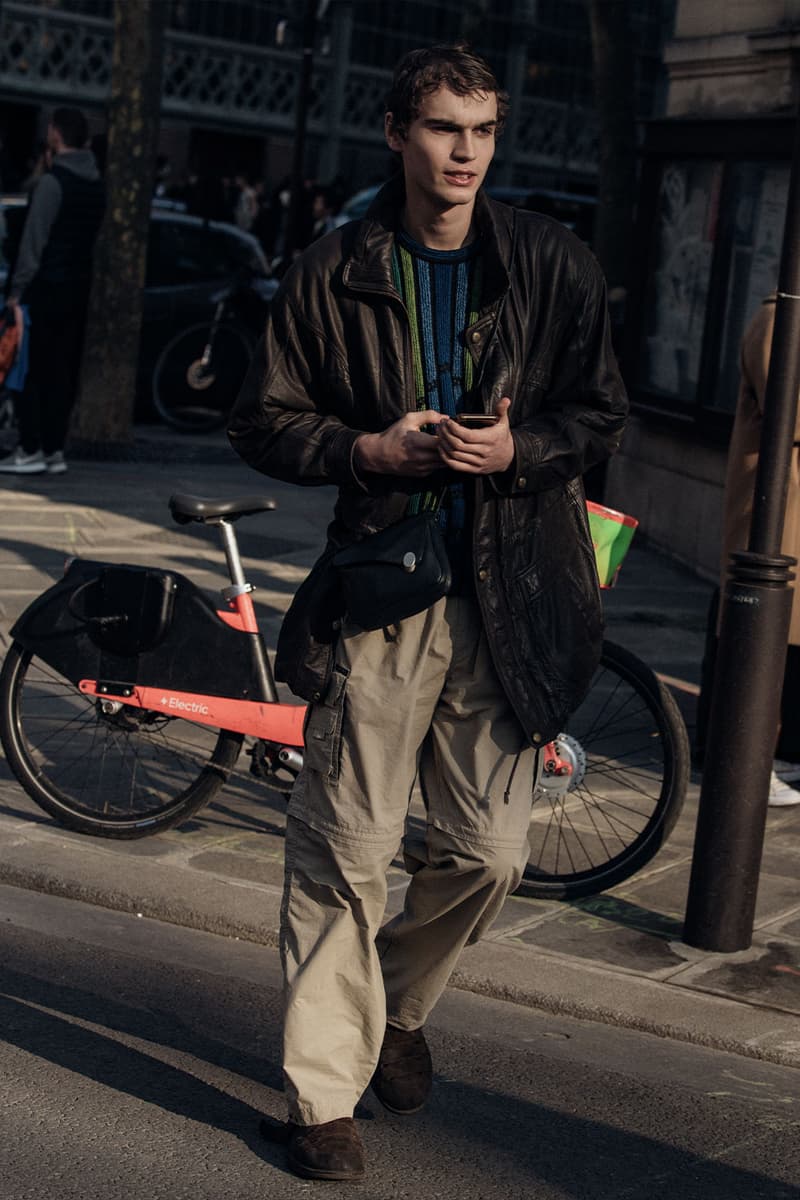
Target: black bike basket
{"points": [[125, 610]]}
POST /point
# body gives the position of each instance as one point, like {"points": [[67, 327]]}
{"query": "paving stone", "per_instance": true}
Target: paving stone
{"points": [[770, 977], [254, 869], [613, 932]]}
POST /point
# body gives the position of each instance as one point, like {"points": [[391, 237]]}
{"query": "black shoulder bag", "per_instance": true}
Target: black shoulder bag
{"points": [[396, 573]]}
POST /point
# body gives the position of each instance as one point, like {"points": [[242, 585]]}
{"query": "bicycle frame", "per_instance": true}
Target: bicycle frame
{"points": [[274, 722], [270, 720], [245, 699], [220, 312]]}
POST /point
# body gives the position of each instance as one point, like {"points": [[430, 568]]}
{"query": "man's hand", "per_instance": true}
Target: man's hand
{"points": [[478, 451], [402, 449]]}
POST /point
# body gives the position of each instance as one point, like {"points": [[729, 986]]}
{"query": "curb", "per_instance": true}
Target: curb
{"points": [[40, 859]]}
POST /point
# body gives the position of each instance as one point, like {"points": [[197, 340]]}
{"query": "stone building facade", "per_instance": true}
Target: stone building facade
{"points": [[714, 183]]}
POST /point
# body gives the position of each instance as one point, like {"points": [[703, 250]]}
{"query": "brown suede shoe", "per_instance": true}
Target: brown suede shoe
{"points": [[330, 1151], [404, 1074]]}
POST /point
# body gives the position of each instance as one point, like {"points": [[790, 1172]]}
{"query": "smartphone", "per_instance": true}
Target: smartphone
{"points": [[476, 420]]}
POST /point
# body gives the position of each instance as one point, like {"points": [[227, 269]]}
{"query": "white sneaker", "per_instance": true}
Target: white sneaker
{"points": [[20, 463], [55, 464], [787, 771], [781, 795]]}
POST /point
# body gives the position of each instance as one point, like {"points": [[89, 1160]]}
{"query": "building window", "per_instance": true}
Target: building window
{"points": [[757, 202], [710, 231], [677, 293]]}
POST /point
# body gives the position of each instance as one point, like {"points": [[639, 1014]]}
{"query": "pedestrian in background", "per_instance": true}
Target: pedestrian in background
{"points": [[737, 513], [52, 277], [245, 209], [324, 212], [440, 301]]}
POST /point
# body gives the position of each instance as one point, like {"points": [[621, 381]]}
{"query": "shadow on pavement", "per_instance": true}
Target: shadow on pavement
{"points": [[477, 1120]]}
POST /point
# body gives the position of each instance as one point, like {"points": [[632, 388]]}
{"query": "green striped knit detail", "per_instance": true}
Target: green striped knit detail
{"points": [[442, 294], [404, 282], [403, 269]]}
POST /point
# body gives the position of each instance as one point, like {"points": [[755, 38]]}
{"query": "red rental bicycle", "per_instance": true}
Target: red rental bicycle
{"points": [[125, 698]]}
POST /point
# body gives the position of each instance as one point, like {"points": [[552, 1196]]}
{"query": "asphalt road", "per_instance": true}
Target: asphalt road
{"points": [[137, 1057]]}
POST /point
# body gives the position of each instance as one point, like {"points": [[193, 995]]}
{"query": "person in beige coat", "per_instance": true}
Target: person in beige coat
{"points": [[738, 506]]}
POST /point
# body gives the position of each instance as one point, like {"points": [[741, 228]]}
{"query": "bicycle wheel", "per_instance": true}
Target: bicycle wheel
{"points": [[192, 397], [629, 752], [122, 774]]}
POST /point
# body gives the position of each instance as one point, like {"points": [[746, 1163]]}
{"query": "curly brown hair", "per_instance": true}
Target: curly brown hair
{"points": [[422, 72]]}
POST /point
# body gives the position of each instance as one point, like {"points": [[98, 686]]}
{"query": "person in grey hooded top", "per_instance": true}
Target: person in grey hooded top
{"points": [[52, 275]]}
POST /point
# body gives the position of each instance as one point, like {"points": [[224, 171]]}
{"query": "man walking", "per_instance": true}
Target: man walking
{"points": [[438, 302], [52, 276]]}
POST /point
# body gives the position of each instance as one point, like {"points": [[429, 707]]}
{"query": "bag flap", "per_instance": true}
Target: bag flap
{"points": [[391, 545]]}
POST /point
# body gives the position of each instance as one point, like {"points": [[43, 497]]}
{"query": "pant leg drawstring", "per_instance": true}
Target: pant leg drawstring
{"points": [[514, 765]]}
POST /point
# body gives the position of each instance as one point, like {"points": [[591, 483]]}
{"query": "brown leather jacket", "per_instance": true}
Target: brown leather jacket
{"points": [[335, 361]]}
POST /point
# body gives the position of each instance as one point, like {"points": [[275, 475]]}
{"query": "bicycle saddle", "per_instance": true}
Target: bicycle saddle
{"points": [[199, 508]]}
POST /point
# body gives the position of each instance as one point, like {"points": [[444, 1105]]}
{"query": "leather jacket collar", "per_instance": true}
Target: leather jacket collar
{"points": [[369, 267]]}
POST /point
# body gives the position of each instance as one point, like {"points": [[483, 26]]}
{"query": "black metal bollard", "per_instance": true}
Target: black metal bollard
{"points": [[741, 743]]}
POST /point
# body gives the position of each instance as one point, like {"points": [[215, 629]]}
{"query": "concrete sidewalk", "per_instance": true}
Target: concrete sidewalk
{"points": [[616, 958]]}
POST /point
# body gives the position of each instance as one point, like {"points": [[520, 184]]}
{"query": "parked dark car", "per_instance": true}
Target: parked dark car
{"points": [[189, 261]]}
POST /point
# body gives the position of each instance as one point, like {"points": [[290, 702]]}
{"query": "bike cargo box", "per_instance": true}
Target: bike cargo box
{"points": [[140, 626], [126, 610]]}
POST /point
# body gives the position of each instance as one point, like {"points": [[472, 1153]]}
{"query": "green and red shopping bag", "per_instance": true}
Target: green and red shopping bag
{"points": [[612, 533]]}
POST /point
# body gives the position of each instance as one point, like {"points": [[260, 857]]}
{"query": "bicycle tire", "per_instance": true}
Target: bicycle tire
{"points": [[629, 750], [123, 775], [202, 406]]}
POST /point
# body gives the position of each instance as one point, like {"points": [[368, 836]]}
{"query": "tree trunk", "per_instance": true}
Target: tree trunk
{"points": [[108, 377], [614, 82]]}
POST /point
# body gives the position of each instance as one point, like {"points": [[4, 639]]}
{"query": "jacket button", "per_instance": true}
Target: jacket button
{"points": [[316, 696], [475, 336], [483, 575], [521, 482], [536, 737]]}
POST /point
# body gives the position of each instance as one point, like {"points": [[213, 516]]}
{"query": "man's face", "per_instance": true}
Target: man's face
{"points": [[448, 147]]}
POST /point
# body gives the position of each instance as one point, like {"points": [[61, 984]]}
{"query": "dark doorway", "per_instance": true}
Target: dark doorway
{"points": [[18, 143]]}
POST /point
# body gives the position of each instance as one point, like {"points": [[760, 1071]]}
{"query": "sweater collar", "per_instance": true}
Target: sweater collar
{"points": [[369, 267]]}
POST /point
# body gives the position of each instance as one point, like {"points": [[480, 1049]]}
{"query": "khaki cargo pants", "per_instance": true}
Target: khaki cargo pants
{"points": [[418, 701]]}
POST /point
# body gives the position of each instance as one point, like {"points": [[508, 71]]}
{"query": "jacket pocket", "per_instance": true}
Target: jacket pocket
{"points": [[323, 729], [556, 600]]}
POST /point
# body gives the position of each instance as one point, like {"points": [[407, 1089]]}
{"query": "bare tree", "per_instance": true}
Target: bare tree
{"points": [[108, 376], [614, 80]]}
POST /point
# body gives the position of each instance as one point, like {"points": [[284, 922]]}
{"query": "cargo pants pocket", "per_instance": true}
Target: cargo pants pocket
{"points": [[323, 729]]}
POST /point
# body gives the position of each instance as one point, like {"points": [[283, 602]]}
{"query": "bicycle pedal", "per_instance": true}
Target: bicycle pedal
{"points": [[260, 765]]}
